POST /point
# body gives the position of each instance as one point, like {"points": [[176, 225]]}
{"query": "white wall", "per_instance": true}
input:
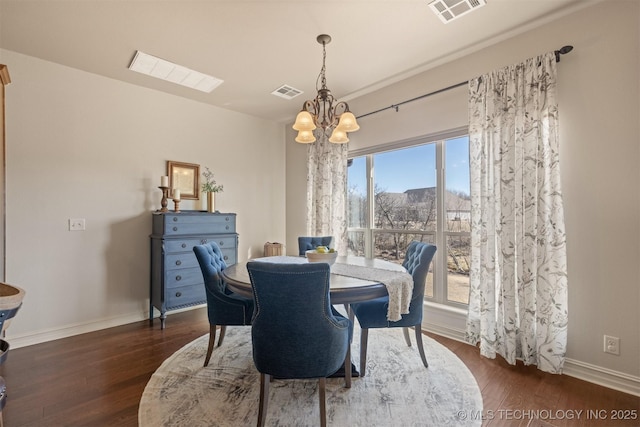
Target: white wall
{"points": [[84, 146], [600, 155]]}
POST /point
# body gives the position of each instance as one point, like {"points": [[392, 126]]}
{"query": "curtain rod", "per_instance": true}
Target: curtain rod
{"points": [[562, 51]]}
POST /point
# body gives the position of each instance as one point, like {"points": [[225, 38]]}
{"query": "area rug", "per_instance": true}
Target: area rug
{"points": [[396, 391]]}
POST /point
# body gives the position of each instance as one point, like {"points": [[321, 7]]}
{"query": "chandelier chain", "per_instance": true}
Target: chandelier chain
{"points": [[322, 78]]}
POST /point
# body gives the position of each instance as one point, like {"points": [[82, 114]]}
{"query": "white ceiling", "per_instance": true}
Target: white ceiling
{"points": [[257, 46]]}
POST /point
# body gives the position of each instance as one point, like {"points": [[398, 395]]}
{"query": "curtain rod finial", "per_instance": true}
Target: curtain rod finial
{"points": [[563, 50]]}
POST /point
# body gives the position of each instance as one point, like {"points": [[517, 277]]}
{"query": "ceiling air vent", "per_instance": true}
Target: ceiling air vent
{"points": [[174, 73], [448, 10], [286, 92]]}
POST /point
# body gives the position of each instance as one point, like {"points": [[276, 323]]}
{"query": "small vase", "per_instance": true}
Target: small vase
{"points": [[211, 202]]}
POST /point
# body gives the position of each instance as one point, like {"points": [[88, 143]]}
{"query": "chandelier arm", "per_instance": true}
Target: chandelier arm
{"points": [[310, 106], [313, 108], [340, 106]]}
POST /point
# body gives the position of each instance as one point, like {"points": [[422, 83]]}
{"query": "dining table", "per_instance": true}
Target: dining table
{"points": [[353, 279], [343, 289]]}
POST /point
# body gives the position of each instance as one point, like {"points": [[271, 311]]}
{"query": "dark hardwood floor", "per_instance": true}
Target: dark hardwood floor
{"points": [[96, 379]]}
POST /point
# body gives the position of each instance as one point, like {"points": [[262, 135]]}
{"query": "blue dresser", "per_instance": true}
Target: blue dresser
{"points": [[176, 279]]}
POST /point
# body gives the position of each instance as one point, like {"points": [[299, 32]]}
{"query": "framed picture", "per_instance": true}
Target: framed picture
{"points": [[184, 177]]}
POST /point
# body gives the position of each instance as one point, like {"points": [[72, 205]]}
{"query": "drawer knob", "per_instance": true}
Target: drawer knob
{"points": [[175, 219], [226, 258], [175, 228], [178, 278], [203, 241], [226, 219], [178, 262], [184, 245], [227, 227], [178, 294], [221, 243]]}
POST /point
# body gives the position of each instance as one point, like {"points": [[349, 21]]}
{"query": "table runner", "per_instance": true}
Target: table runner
{"points": [[399, 285]]}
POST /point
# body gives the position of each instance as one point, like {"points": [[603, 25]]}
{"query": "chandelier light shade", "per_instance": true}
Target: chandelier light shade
{"points": [[323, 115], [304, 121], [338, 137], [305, 137]]}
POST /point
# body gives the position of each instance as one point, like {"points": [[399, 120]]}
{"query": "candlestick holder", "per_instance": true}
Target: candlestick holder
{"points": [[165, 196], [176, 205]]}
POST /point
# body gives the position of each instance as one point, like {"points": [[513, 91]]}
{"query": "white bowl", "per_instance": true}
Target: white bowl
{"points": [[313, 256]]}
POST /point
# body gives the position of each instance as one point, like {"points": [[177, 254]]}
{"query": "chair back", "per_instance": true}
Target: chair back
{"points": [[306, 243], [211, 263], [294, 331], [223, 307], [417, 261]]}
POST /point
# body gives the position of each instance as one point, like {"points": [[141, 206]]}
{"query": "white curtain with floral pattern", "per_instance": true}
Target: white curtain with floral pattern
{"points": [[327, 191], [518, 296]]}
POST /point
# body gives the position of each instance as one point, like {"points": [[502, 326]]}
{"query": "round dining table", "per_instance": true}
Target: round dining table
{"points": [[343, 289]]}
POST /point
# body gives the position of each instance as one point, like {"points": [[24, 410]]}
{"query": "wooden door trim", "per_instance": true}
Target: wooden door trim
{"points": [[5, 79]]}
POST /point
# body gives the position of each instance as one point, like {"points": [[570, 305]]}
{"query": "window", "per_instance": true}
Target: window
{"points": [[417, 190]]}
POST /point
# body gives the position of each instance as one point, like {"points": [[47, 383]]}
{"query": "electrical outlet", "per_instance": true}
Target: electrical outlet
{"points": [[612, 345], [76, 224]]}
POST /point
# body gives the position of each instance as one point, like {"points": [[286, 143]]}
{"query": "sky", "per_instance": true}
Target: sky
{"points": [[415, 167]]}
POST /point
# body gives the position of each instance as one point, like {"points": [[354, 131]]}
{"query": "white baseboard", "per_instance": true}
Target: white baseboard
{"points": [[451, 323], [17, 341], [444, 320], [602, 376]]}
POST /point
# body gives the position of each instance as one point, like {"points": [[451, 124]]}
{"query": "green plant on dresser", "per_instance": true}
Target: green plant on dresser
{"points": [[176, 278]]}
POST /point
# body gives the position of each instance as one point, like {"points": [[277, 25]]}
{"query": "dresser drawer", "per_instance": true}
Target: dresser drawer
{"points": [[185, 296], [180, 260], [228, 241], [183, 277], [184, 245], [206, 224], [229, 256]]}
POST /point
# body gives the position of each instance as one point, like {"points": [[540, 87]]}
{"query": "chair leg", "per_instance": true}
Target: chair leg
{"points": [[364, 337], [323, 401], [212, 339], [347, 367], [264, 398], [347, 359], [405, 331], [420, 346], [223, 329]]}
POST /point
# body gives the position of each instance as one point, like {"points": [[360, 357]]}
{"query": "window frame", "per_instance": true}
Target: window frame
{"points": [[441, 234]]}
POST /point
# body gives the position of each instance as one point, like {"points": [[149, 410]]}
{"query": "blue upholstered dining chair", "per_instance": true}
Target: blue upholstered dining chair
{"points": [[224, 308], [296, 333], [307, 243], [373, 314]]}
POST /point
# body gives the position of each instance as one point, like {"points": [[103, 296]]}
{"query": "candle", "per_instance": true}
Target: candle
{"points": [[176, 194], [164, 181]]}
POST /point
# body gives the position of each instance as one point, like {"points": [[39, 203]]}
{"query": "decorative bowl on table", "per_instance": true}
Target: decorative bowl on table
{"points": [[314, 256]]}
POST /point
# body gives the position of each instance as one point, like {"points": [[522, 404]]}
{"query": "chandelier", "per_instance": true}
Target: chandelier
{"points": [[323, 114]]}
